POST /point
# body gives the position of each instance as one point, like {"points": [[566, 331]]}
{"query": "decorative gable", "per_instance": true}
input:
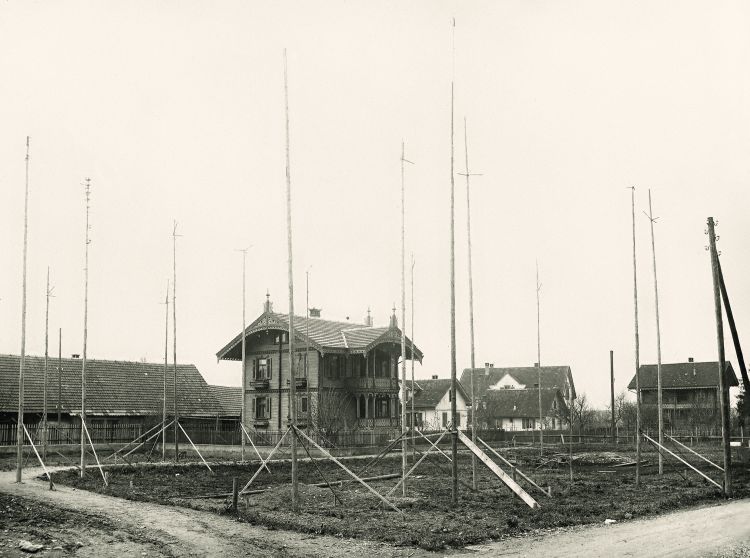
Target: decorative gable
{"points": [[507, 382]]}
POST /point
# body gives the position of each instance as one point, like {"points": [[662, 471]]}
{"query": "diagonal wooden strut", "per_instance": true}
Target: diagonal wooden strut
{"points": [[425, 454], [661, 448], [509, 464], [264, 461]]}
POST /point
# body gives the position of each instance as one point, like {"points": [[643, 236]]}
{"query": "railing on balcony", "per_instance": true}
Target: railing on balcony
{"points": [[372, 383], [260, 421], [259, 383], [378, 422]]}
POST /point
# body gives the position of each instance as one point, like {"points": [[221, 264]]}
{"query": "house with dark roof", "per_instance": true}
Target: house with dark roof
{"points": [[509, 397], [117, 393], [345, 374], [432, 404], [690, 390]]}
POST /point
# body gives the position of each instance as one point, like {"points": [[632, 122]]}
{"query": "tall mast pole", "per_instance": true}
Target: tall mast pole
{"points": [[59, 375], [166, 371], [292, 377], [46, 364], [412, 422], [658, 338], [454, 433], [471, 308], [404, 442], [85, 330], [307, 343], [174, 345], [539, 361], [243, 416], [612, 392], [637, 356], [723, 387], [19, 429]]}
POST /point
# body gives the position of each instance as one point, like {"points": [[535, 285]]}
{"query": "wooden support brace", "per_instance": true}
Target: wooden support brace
{"points": [[133, 441], [256, 449], [46, 472], [424, 455], [435, 446], [517, 470], [196, 449], [694, 452], [264, 461], [148, 439], [88, 436], [678, 458]]}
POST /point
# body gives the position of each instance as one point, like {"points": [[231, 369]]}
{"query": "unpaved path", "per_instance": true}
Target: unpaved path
{"points": [[173, 531], [720, 530]]}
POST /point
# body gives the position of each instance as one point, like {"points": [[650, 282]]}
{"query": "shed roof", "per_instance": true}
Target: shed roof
{"points": [[229, 400], [112, 387], [552, 377], [322, 334], [684, 375], [428, 393], [522, 403]]}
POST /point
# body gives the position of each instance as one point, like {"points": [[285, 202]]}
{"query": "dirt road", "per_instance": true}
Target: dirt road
{"points": [[138, 528]]}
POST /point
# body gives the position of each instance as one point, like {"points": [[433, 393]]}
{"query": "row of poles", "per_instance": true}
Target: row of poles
{"points": [[21, 430]]}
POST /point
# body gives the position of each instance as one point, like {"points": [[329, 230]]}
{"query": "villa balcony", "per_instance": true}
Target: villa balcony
{"points": [[370, 423], [378, 384], [260, 421], [259, 383]]}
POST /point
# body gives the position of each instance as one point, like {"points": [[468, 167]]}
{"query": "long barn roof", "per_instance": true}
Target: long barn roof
{"points": [[684, 375], [552, 377]]}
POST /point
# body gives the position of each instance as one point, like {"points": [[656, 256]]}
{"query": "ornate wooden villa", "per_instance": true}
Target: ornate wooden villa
{"points": [[346, 374]]}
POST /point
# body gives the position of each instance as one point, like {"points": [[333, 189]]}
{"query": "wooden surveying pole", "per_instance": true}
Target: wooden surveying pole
{"points": [[413, 416], [174, 345], [539, 361], [723, 387], [652, 220], [20, 427], [454, 429], [59, 375], [166, 371], [292, 377], [612, 391], [404, 442], [85, 329], [637, 356], [243, 417], [45, 430], [308, 416]]}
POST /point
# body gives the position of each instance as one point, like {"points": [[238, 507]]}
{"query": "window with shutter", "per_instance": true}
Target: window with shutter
{"points": [[268, 407]]}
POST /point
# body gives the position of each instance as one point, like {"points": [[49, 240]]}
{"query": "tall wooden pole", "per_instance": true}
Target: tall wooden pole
{"points": [[570, 436], [723, 387], [243, 416], [308, 416], [174, 345], [467, 174], [658, 339], [454, 418], [166, 371], [59, 376], [292, 377], [404, 442], [612, 391], [637, 356], [19, 429], [413, 416], [85, 331], [46, 373], [539, 361]]}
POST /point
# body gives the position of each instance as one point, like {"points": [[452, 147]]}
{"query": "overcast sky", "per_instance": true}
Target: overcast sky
{"points": [[175, 111]]}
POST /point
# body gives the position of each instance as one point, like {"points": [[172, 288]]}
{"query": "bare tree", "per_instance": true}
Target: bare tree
{"points": [[583, 413], [329, 412]]}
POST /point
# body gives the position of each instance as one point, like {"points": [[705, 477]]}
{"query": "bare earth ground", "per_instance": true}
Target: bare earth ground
{"points": [[85, 523]]}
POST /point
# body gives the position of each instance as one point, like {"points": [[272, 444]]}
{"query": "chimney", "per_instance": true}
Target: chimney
{"points": [[434, 376], [368, 319], [487, 367], [536, 365], [394, 321], [268, 305], [75, 355], [691, 359], [314, 312]]}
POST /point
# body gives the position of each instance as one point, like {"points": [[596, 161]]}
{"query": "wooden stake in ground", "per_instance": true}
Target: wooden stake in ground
{"points": [[85, 330], [166, 370], [454, 417], [45, 430], [660, 410], [292, 376], [723, 387], [174, 345], [19, 429], [243, 416], [612, 391], [637, 357], [539, 362], [468, 175], [403, 324]]}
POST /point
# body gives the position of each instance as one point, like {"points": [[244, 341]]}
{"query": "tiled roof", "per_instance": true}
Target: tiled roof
{"points": [[229, 399], [552, 377], [322, 334], [112, 387], [684, 375], [430, 392], [520, 403]]}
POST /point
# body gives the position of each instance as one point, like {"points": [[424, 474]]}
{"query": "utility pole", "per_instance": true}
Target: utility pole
{"points": [[174, 345], [612, 391], [307, 344], [45, 431], [293, 379], [652, 220], [166, 371], [723, 387], [637, 356], [454, 430], [19, 429], [467, 174], [413, 416], [59, 376], [404, 442], [243, 417], [539, 362], [85, 329], [570, 437]]}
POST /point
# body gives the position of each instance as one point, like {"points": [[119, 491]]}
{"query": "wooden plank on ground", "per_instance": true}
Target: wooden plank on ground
{"points": [[502, 475]]}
